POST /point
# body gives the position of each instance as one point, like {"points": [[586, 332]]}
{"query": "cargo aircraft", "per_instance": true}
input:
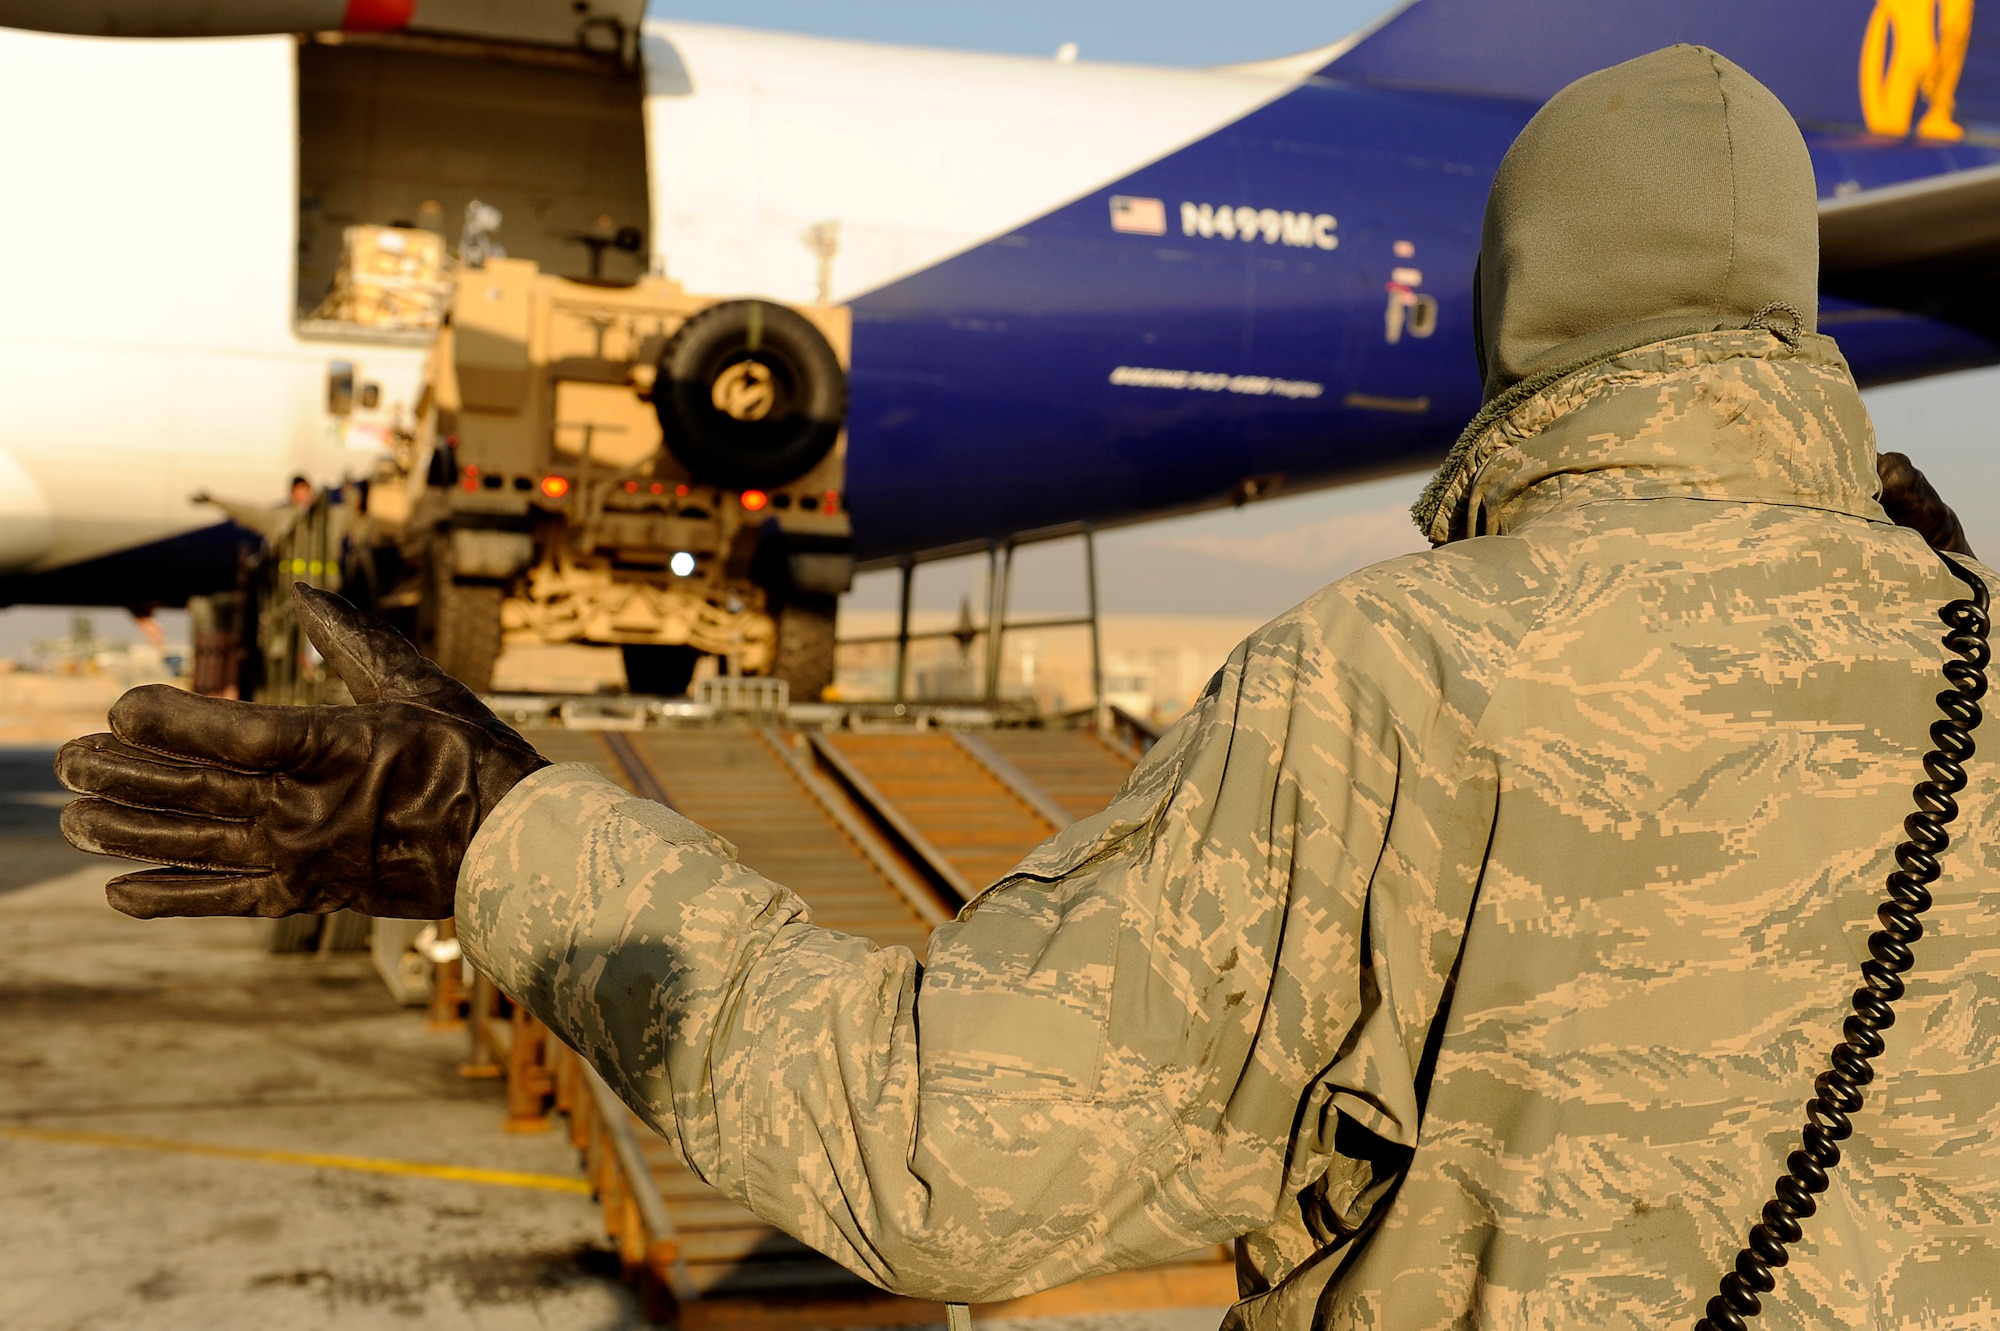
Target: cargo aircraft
{"points": [[1080, 292]]}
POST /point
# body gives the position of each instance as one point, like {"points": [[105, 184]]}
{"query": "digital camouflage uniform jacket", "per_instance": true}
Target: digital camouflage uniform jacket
{"points": [[1468, 949]]}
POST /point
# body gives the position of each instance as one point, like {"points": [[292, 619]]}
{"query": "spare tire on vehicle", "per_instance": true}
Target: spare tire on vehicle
{"points": [[750, 395]]}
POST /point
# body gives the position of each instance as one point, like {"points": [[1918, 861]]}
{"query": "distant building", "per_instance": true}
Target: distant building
{"points": [[1154, 665]]}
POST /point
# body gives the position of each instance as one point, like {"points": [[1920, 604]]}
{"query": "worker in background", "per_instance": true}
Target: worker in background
{"points": [[1464, 954], [274, 523]]}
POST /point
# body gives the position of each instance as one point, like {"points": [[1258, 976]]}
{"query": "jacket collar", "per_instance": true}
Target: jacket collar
{"points": [[1737, 416]]}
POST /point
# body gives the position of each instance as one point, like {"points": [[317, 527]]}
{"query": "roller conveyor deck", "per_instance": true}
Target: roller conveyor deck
{"points": [[963, 818], [1078, 770]]}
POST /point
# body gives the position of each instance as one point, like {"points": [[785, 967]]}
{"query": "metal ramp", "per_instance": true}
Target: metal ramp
{"points": [[1078, 770], [871, 829], [758, 789], [786, 821], [965, 813]]}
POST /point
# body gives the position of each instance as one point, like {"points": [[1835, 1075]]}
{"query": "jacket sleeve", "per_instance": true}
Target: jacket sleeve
{"points": [[1099, 1065]]}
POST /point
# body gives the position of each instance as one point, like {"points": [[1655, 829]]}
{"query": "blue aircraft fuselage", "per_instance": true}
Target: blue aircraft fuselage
{"points": [[1077, 365]]}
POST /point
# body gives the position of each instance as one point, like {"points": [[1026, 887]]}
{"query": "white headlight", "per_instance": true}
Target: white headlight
{"points": [[682, 563]]}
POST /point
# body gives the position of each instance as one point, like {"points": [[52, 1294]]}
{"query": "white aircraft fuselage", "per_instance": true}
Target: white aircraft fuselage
{"points": [[151, 347], [1080, 292]]}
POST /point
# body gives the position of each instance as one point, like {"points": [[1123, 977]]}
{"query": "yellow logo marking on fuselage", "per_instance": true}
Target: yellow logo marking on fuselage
{"points": [[1914, 48]]}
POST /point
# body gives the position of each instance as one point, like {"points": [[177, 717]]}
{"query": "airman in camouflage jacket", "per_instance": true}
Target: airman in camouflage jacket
{"points": [[1469, 947], [1468, 950]]}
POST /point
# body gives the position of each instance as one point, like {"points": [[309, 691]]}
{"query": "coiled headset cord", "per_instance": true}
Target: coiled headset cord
{"points": [[1837, 1092]]}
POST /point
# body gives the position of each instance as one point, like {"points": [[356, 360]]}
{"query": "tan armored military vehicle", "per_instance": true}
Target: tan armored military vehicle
{"points": [[621, 464]]}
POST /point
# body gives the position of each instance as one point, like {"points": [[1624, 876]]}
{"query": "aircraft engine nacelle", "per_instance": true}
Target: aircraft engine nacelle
{"points": [[203, 18], [602, 27]]}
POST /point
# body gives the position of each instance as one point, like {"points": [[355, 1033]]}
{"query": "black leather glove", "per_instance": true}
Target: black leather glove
{"points": [[269, 810], [1911, 502]]}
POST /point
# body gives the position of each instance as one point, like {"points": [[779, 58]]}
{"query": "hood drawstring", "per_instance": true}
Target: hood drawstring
{"points": [[1764, 319]]}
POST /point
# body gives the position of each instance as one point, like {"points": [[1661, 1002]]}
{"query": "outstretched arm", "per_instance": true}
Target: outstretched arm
{"points": [[1101, 1064]]}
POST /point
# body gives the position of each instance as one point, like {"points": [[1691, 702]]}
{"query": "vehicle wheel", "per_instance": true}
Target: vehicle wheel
{"points": [[804, 657], [662, 670], [749, 395], [459, 624], [295, 933], [468, 633]]}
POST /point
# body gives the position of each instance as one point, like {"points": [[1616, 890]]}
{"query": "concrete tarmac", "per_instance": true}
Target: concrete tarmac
{"points": [[121, 1040], [158, 1080]]}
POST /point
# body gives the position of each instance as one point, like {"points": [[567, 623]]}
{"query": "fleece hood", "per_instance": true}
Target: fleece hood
{"points": [[1671, 194], [1667, 196]]}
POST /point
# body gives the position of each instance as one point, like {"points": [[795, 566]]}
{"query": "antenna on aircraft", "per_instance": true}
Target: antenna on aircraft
{"points": [[476, 243], [823, 239]]}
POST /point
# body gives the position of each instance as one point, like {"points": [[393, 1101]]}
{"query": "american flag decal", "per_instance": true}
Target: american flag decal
{"points": [[1139, 217]]}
